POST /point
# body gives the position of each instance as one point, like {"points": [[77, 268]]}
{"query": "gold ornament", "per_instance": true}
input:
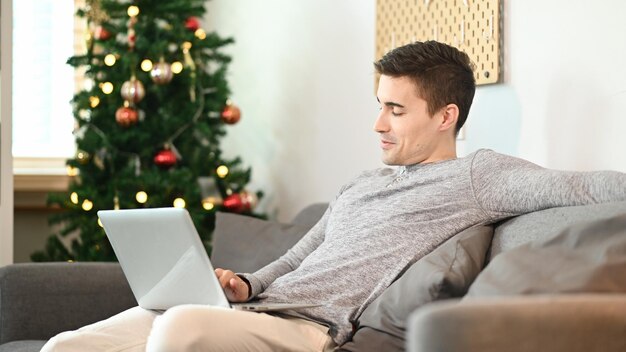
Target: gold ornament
{"points": [[95, 12]]}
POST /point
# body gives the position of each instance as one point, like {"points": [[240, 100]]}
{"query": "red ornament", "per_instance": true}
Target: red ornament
{"points": [[192, 24], [165, 159], [231, 114], [100, 33], [126, 116], [235, 203]]}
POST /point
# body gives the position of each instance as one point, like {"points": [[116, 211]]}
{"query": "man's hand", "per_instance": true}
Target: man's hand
{"points": [[235, 288]]}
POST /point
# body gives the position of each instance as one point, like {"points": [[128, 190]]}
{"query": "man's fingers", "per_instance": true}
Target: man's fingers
{"points": [[224, 277]]}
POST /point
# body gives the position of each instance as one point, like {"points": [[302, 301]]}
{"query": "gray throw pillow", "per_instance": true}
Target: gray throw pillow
{"points": [[446, 272], [586, 257], [245, 244]]}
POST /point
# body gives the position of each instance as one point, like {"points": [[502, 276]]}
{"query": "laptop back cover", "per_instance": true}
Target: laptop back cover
{"points": [[162, 257]]}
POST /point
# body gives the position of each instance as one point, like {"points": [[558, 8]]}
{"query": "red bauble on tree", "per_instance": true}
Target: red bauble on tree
{"points": [[100, 33], [165, 158], [240, 202], [234, 203], [231, 113], [126, 116], [192, 24]]}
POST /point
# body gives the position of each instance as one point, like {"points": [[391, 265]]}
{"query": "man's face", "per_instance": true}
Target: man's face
{"points": [[408, 134]]}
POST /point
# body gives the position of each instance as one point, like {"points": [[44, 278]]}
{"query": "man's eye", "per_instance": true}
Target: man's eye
{"points": [[395, 113]]}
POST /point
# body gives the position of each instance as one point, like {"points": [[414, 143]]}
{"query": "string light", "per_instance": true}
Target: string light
{"points": [[208, 205], [74, 197], [222, 171], [110, 60], [87, 205], [100, 223], [179, 203], [94, 101], [107, 87], [71, 171], [177, 67], [133, 11], [200, 34], [146, 65], [141, 197]]}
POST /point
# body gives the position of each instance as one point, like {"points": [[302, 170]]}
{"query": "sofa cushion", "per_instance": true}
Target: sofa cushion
{"points": [[258, 241], [588, 257], [547, 223], [22, 346], [445, 272]]}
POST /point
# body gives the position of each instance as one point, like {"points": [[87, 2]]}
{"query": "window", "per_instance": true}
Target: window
{"points": [[43, 84]]}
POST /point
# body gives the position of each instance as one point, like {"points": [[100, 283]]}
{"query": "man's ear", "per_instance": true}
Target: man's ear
{"points": [[450, 115]]}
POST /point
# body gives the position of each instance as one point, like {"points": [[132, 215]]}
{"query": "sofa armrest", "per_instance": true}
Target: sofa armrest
{"points": [[37, 301], [573, 323]]}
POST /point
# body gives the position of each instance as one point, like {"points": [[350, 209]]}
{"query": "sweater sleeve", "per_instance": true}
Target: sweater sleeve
{"points": [[263, 277], [508, 186]]}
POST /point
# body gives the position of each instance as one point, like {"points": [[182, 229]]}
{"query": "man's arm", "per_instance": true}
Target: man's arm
{"points": [[263, 277], [507, 186]]}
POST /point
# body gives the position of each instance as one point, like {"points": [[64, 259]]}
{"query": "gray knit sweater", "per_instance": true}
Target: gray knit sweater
{"points": [[386, 219]]}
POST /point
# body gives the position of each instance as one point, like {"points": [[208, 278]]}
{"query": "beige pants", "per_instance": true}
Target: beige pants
{"points": [[194, 328]]}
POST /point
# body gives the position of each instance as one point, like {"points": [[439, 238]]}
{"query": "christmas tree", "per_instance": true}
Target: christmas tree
{"points": [[148, 124]]}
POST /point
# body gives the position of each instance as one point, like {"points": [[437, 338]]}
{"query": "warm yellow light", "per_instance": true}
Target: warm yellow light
{"points": [[177, 67], [87, 205], [74, 197], [133, 11], [146, 65], [200, 33], [110, 60], [94, 101], [100, 223], [208, 205], [179, 203], [141, 197], [107, 87], [71, 171], [186, 46], [222, 171]]}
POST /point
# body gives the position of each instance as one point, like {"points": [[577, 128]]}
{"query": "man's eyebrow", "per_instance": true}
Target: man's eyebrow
{"points": [[391, 103]]}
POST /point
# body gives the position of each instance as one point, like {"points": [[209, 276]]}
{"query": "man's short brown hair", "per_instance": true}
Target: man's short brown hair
{"points": [[443, 74]]}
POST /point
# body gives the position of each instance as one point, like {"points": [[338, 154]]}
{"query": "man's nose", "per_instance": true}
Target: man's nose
{"points": [[381, 124]]}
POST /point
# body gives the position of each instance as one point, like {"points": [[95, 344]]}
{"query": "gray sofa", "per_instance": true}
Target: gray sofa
{"points": [[502, 310]]}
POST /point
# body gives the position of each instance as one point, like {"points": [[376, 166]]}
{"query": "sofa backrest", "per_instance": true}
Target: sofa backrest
{"points": [[548, 223]]}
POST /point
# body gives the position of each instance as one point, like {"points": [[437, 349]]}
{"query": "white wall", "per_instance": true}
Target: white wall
{"points": [[303, 77]]}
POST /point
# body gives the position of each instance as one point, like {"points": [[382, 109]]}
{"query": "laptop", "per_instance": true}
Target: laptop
{"points": [[165, 263]]}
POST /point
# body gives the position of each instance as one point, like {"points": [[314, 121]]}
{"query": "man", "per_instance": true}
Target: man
{"points": [[381, 222]]}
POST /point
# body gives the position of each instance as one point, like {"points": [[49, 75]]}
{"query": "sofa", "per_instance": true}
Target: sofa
{"points": [[552, 280]]}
